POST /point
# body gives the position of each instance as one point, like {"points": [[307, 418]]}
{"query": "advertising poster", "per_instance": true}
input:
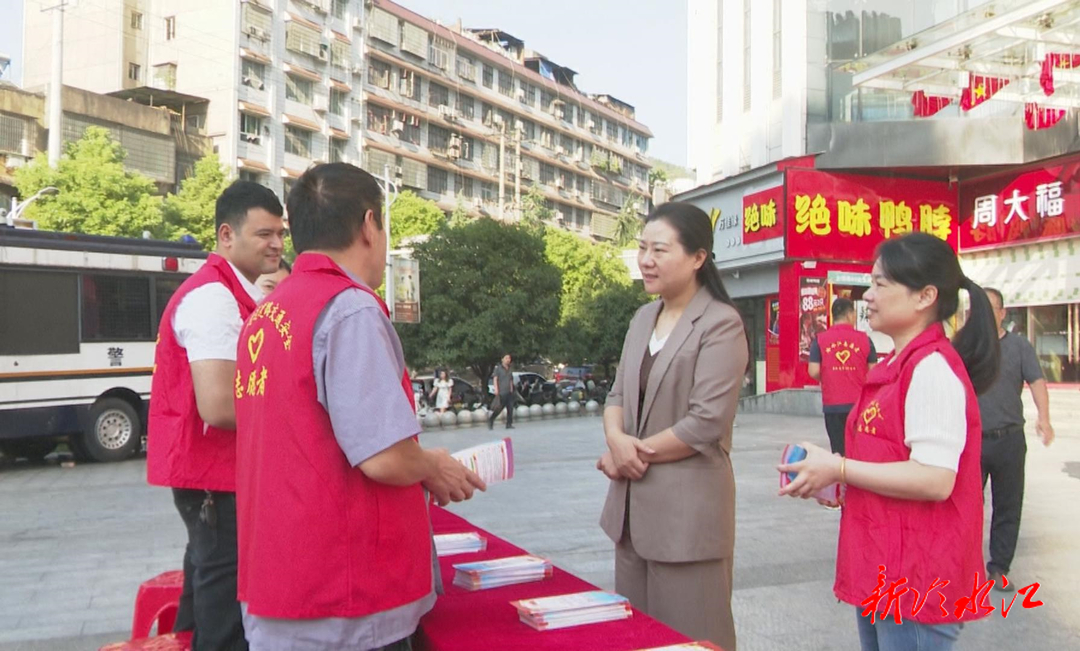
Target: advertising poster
{"points": [[406, 290], [813, 313]]}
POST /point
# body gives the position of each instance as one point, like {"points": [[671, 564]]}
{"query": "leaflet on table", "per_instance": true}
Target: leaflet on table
{"points": [[569, 602], [494, 461], [509, 563], [689, 646], [547, 625], [449, 544]]}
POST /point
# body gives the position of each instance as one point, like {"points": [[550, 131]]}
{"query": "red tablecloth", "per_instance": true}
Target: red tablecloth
{"points": [[483, 620]]}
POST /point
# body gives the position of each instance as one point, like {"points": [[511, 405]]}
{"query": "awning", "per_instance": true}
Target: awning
{"points": [[252, 165], [293, 69], [300, 122], [1041, 273], [338, 134], [340, 87], [300, 21], [254, 56], [341, 37], [254, 109], [290, 174], [1009, 42]]}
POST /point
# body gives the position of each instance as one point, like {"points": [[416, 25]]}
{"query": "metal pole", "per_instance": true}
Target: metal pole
{"points": [[56, 85], [517, 174], [502, 172], [386, 226]]}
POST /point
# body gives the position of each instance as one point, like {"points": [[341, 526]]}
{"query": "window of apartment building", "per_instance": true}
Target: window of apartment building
{"points": [[253, 74], [438, 181], [378, 73], [136, 20], [338, 8], [489, 156], [134, 71], [527, 93], [777, 50], [506, 83], [286, 188], [566, 145], [746, 55], [467, 146], [302, 39], [466, 69], [583, 185], [414, 40], [487, 113], [489, 192], [298, 90], [466, 106], [581, 117], [411, 131], [297, 141], [413, 174], [251, 127], [547, 138], [547, 174], [337, 102], [340, 54], [468, 187], [627, 137], [642, 143], [251, 177], [165, 76], [13, 135], [438, 138], [528, 130], [546, 98], [612, 131], [256, 21], [170, 28], [337, 150], [440, 53], [438, 95], [409, 85], [593, 122], [379, 119], [384, 26], [489, 75]]}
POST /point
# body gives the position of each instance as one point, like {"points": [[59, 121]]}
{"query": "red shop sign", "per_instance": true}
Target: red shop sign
{"points": [[1036, 205], [846, 216], [763, 215]]}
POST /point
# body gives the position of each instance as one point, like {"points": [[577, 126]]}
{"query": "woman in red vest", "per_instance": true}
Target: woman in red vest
{"points": [[914, 511]]}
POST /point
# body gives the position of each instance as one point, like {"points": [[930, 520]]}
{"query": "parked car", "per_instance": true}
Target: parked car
{"points": [[463, 396], [575, 373], [531, 388]]}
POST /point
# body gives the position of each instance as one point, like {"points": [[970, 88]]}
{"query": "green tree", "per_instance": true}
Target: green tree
{"points": [[604, 322], [412, 215], [657, 175], [586, 267], [535, 210], [486, 289], [628, 222], [191, 211], [461, 215], [96, 194]]}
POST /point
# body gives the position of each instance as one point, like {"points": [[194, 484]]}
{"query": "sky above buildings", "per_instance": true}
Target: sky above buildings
{"points": [[633, 51]]}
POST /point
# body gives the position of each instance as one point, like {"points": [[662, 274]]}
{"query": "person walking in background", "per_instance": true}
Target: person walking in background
{"points": [[442, 390], [840, 357], [191, 438], [1004, 448], [670, 508], [504, 393], [267, 282], [914, 499]]}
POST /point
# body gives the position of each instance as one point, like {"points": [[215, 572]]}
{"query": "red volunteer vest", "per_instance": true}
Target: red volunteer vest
{"points": [[317, 538], [920, 541], [181, 450], [844, 355]]}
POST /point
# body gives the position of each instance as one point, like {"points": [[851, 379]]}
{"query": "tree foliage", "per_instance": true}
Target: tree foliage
{"points": [[191, 211], [96, 194], [628, 222], [534, 208], [486, 289], [412, 215], [587, 268]]}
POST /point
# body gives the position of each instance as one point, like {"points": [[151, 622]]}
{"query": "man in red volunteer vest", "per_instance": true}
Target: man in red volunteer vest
{"points": [[191, 442], [840, 358], [334, 535]]}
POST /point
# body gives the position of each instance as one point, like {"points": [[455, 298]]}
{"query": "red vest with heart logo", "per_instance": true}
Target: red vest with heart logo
{"points": [[181, 450], [844, 355], [917, 540], [316, 537]]}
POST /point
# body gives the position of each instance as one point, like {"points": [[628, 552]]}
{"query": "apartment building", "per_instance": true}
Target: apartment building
{"points": [[449, 112]]}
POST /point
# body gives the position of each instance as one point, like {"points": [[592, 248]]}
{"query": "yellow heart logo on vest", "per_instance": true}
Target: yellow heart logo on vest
{"points": [[843, 356], [871, 412], [255, 344]]}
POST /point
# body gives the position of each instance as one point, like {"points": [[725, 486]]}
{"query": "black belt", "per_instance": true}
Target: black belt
{"points": [[1002, 431]]}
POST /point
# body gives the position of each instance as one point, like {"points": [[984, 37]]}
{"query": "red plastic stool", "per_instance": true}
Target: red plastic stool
{"points": [[157, 601], [168, 642]]}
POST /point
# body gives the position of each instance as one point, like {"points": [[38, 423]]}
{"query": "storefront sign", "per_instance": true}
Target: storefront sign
{"points": [[848, 278], [763, 215], [846, 216], [1038, 204]]}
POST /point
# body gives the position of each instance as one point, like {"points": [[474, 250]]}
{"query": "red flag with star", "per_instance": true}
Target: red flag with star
{"points": [[980, 89], [1056, 60], [927, 105], [1037, 117]]}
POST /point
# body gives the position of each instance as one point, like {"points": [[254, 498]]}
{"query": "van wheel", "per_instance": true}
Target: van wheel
{"points": [[33, 449], [113, 431]]}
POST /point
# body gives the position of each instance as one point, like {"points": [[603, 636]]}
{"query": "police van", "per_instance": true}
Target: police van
{"points": [[78, 323]]}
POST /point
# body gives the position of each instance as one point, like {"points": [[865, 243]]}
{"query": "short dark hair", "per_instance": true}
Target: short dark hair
{"points": [[327, 206], [841, 307], [284, 265], [234, 203], [995, 292]]}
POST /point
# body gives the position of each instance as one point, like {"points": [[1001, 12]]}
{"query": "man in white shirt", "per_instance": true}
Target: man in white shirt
{"points": [[191, 438]]}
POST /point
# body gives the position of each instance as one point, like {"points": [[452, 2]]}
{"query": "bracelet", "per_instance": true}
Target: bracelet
{"points": [[843, 469]]}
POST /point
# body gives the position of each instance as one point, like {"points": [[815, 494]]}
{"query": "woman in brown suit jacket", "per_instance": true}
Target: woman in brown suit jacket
{"points": [[671, 506]]}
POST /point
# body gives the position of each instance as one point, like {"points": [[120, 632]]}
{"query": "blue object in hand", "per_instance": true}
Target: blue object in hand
{"points": [[796, 453]]}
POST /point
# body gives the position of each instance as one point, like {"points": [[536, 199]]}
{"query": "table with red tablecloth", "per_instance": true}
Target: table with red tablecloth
{"points": [[482, 620]]}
